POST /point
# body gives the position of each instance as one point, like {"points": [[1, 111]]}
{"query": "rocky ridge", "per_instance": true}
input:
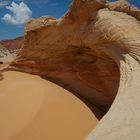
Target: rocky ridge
{"points": [[93, 51], [13, 45]]}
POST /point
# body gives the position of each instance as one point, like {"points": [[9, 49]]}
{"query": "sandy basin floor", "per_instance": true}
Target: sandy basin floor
{"points": [[32, 108]]}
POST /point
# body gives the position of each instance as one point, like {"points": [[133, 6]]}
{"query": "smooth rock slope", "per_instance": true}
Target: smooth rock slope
{"points": [[32, 108], [93, 51]]}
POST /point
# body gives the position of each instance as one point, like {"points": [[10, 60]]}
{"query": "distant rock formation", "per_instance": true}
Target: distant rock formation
{"points": [[5, 55], [9, 49], [93, 51], [13, 44]]}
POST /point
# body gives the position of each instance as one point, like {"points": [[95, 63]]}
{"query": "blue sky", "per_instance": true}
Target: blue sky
{"points": [[12, 26]]}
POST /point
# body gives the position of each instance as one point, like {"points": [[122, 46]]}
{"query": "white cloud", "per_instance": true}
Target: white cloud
{"points": [[21, 13]]}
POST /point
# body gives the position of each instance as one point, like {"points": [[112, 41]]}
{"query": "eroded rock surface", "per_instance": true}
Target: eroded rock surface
{"points": [[92, 50], [13, 45]]}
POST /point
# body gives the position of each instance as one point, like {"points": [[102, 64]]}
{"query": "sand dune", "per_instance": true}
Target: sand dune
{"points": [[32, 108]]}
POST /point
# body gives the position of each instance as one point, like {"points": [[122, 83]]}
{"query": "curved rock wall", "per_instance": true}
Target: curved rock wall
{"points": [[88, 50]]}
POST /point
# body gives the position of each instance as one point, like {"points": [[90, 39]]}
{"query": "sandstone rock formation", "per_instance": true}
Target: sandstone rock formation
{"points": [[32, 108], [9, 50], [5, 55], [93, 51], [13, 44]]}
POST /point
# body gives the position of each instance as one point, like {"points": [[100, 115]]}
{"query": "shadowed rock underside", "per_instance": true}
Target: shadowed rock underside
{"points": [[93, 51]]}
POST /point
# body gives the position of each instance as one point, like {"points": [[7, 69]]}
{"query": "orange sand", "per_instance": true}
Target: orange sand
{"points": [[32, 108]]}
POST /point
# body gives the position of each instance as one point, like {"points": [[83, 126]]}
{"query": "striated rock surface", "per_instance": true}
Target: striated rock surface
{"points": [[13, 44], [124, 6], [93, 51]]}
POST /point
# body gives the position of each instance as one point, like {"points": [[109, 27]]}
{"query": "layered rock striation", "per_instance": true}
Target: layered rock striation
{"points": [[93, 51], [13, 45]]}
